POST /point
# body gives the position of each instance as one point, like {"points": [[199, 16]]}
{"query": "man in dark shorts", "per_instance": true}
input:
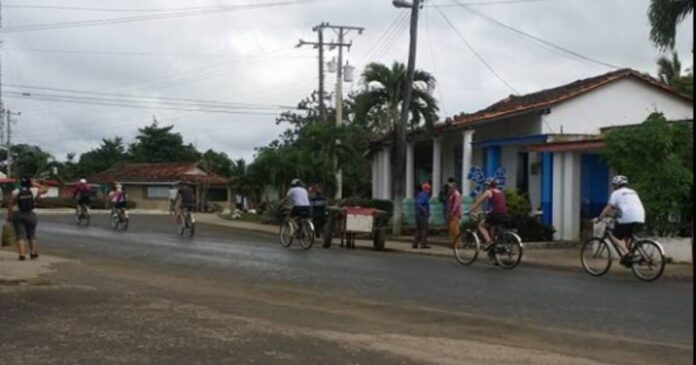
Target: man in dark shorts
{"points": [[21, 213], [186, 199], [82, 195], [497, 216], [628, 210]]}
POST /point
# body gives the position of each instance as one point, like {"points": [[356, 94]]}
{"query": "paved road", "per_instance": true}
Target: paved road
{"points": [[338, 306]]}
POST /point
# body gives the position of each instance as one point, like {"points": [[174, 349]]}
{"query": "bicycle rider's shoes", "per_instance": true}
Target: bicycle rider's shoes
{"points": [[487, 246], [426, 246], [34, 255], [414, 246], [628, 260], [22, 257]]}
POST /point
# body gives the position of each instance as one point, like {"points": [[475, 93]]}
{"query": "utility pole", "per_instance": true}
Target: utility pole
{"points": [[9, 115], [342, 31], [401, 127]]}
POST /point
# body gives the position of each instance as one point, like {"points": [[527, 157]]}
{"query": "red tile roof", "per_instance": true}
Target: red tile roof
{"points": [[515, 104], [158, 173]]}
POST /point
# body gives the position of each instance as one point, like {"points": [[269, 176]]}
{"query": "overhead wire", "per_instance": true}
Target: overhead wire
{"points": [[473, 51], [433, 59], [534, 38], [395, 36], [152, 17]]}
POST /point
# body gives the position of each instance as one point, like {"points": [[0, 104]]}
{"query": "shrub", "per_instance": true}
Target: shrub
{"points": [[529, 229]]}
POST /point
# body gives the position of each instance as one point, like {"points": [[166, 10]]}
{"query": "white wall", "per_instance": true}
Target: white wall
{"points": [[527, 125], [623, 102], [508, 159]]}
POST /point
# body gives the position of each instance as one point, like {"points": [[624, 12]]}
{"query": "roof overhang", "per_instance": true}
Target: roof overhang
{"points": [[572, 146]]}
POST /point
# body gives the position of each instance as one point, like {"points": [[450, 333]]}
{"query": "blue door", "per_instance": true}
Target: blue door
{"points": [[594, 192]]}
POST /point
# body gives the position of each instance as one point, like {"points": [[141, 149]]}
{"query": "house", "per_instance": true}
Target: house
{"points": [[547, 142], [148, 184]]}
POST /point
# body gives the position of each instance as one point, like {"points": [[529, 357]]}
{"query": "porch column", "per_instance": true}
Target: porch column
{"points": [[558, 194], [571, 196], [467, 161], [410, 173], [387, 173], [547, 187], [437, 165], [375, 175]]}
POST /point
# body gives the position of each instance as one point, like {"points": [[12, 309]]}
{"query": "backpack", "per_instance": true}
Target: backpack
{"points": [[25, 200]]}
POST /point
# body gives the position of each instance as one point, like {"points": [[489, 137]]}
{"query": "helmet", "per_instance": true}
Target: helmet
{"points": [[296, 182], [25, 182], [619, 180], [492, 182], [83, 181]]}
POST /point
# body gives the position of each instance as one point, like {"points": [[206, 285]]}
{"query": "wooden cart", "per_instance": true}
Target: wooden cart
{"points": [[347, 223]]}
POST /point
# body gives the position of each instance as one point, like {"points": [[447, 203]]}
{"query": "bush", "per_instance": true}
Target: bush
{"points": [[529, 229]]}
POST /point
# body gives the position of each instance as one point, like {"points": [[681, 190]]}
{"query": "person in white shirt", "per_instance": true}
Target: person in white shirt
{"points": [[300, 200], [628, 210]]}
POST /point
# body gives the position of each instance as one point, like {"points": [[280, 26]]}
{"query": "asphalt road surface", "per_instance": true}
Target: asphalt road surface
{"points": [[150, 296]]}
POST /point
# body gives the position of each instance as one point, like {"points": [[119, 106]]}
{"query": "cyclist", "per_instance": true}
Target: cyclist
{"points": [[625, 205], [185, 198], [117, 198], [498, 214], [82, 196], [300, 200]]}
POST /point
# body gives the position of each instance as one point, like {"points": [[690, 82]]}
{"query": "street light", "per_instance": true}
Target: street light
{"points": [[402, 4]]}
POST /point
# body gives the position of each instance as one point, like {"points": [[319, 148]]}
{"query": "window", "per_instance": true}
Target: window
{"points": [[157, 192]]}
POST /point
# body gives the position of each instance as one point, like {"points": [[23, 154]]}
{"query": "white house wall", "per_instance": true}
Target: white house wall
{"points": [[508, 159], [623, 102]]}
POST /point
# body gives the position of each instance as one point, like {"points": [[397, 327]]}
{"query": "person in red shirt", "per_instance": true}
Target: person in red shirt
{"points": [[82, 195], [497, 215]]}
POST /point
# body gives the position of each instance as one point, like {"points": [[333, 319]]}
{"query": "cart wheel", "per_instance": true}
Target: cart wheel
{"points": [[378, 240]]}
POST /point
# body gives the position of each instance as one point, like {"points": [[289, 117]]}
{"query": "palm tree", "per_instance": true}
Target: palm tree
{"points": [[664, 17], [669, 71], [379, 105]]}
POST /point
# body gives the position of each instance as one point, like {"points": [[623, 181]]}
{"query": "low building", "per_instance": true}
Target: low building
{"points": [[148, 184], [547, 143]]}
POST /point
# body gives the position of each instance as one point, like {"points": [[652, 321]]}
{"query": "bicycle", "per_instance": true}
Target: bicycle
{"points": [[290, 230], [186, 222], [645, 257], [82, 215], [506, 249], [119, 218]]}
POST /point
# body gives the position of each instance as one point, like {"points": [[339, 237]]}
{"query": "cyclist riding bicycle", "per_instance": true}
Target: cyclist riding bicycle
{"points": [[82, 196], [300, 200], [498, 214], [117, 198], [625, 205], [185, 198]]}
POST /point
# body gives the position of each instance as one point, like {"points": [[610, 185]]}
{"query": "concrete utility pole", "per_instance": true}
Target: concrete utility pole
{"points": [[320, 46], [401, 127], [9, 115], [342, 31]]}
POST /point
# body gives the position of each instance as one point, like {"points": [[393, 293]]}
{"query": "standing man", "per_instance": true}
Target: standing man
{"points": [[454, 210], [173, 193], [318, 203], [21, 213], [422, 202]]}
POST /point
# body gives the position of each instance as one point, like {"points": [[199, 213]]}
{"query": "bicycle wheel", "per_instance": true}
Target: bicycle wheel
{"points": [[286, 234], [126, 223], [307, 234], [649, 260], [508, 250], [595, 256], [191, 226], [114, 222], [86, 219], [466, 248]]}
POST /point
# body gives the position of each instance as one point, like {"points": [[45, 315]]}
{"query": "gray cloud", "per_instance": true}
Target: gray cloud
{"points": [[260, 64]]}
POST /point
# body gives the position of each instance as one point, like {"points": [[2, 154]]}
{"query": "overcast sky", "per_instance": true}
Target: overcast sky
{"points": [[248, 56]]}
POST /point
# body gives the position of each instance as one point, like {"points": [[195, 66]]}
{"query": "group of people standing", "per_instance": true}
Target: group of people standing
{"points": [[451, 199]]}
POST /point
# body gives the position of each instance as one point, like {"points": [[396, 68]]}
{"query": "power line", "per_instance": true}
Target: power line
{"points": [[432, 56], [471, 48], [151, 17], [125, 54], [399, 18], [532, 37], [389, 42], [500, 2]]}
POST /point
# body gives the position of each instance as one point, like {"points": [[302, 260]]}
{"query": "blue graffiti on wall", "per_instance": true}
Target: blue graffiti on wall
{"points": [[478, 176]]}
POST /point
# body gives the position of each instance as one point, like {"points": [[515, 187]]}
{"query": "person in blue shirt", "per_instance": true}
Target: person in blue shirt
{"points": [[422, 202]]}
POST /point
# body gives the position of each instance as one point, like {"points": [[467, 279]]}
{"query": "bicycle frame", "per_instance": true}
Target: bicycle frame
{"points": [[608, 236]]}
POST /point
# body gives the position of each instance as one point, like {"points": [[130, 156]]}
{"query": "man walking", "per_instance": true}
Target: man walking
{"points": [[422, 215]]}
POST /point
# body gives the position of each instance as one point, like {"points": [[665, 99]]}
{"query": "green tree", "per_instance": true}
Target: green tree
{"points": [[29, 160], [664, 16], [217, 162], [657, 156], [669, 71], [109, 153], [377, 107], [157, 144]]}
